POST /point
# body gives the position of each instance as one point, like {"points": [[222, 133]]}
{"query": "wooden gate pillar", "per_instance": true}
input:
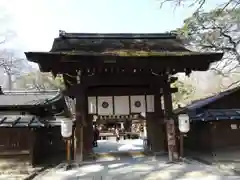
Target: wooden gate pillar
{"points": [[88, 137], [84, 129], [169, 119], [154, 122]]}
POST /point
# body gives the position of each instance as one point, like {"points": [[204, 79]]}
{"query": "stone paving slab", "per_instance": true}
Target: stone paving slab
{"points": [[125, 160], [122, 145], [145, 168], [227, 159]]}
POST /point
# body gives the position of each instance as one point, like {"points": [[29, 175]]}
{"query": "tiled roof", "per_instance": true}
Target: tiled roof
{"points": [[216, 114], [206, 101], [28, 121], [27, 98], [210, 114], [103, 43], [22, 99]]}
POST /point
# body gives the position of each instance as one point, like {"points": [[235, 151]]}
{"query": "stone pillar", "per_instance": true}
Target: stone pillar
{"points": [[154, 123]]}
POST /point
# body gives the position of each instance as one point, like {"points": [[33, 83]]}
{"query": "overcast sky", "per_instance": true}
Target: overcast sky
{"points": [[36, 22]]}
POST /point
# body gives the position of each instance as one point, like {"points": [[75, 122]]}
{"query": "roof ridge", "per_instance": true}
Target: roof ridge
{"points": [[64, 34]]}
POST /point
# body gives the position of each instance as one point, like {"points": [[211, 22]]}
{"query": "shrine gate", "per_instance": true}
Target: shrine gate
{"points": [[111, 75]]}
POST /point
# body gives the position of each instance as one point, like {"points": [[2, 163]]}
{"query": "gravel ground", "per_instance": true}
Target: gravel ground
{"points": [[13, 170]]}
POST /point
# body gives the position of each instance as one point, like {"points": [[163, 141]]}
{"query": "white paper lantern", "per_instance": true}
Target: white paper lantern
{"points": [[66, 128], [183, 123]]}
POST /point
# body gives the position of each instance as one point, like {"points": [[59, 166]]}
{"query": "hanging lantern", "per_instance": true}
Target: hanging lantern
{"points": [[66, 128], [183, 123]]}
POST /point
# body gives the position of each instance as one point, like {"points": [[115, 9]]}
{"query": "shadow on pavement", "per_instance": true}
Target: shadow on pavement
{"points": [[147, 168]]}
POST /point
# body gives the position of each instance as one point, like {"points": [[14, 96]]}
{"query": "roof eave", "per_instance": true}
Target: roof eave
{"points": [[42, 57], [39, 56], [42, 103]]}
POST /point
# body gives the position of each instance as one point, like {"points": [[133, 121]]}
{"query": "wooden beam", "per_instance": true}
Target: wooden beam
{"points": [[123, 91], [2, 120], [114, 91], [120, 80], [118, 91], [16, 121], [62, 62], [114, 80], [31, 121]]}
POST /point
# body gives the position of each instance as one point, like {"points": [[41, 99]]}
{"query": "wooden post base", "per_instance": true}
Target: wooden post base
{"points": [[171, 139]]}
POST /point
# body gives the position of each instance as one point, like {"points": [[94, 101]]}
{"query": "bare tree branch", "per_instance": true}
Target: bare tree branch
{"points": [[200, 4], [219, 31], [40, 81]]}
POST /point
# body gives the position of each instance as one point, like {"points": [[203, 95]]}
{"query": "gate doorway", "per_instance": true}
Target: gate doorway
{"points": [[130, 135]]}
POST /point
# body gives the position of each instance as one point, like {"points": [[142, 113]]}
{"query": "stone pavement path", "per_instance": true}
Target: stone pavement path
{"points": [[142, 168], [225, 159], [122, 145], [136, 168]]}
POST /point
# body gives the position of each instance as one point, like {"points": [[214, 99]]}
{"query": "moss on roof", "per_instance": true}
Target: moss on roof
{"points": [[146, 53], [104, 45], [129, 53]]}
